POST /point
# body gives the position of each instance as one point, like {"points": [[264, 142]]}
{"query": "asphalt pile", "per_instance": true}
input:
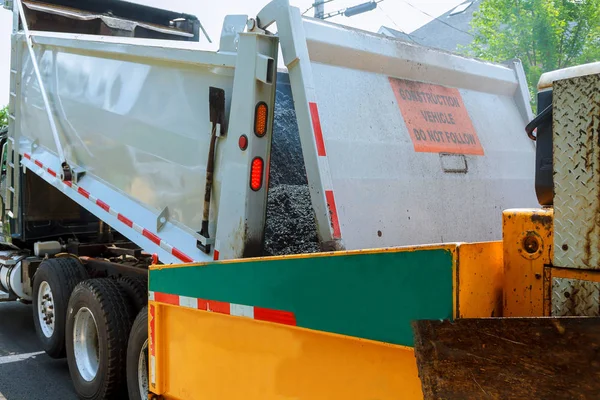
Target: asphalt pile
{"points": [[290, 226]]}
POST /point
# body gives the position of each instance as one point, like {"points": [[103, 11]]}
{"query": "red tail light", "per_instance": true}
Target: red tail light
{"points": [[256, 173]]}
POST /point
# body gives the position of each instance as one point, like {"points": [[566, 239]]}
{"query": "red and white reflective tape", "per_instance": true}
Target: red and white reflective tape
{"points": [[143, 231], [152, 344], [216, 252], [237, 310], [324, 169]]}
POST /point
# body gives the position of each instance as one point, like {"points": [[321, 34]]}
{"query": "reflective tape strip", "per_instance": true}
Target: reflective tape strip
{"points": [[316, 122], [324, 171], [216, 253], [152, 344], [189, 302], [172, 299], [221, 307], [106, 207], [241, 311], [335, 222]]}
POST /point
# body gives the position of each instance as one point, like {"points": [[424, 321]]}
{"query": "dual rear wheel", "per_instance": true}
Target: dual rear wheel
{"points": [[99, 324]]}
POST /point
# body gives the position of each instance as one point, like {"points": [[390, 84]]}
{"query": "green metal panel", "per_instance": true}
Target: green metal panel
{"points": [[368, 295]]}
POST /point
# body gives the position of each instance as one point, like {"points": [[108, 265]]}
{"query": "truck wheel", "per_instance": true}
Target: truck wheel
{"points": [[136, 289], [98, 323], [137, 358], [53, 283]]}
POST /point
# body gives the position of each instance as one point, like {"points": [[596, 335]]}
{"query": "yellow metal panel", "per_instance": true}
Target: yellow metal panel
{"points": [[154, 337], [571, 273], [211, 356], [528, 239], [480, 280]]}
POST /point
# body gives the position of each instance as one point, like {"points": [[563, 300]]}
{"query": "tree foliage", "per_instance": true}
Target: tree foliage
{"points": [[544, 34], [3, 117]]}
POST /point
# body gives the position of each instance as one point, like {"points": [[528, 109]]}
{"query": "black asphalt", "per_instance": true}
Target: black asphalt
{"points": [[35, 378]]}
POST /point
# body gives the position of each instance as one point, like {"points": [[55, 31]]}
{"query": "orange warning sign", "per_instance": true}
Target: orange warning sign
{"points": [[436, 118]]}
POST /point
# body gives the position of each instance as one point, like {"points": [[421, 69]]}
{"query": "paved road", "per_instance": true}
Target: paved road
{"points": [[25, 375]]}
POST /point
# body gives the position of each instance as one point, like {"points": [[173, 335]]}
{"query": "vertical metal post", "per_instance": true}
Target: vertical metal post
{"points": [[319, 8], [65, 166]]}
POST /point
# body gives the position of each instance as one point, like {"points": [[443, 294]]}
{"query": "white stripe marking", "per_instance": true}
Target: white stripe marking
{"points": [[241, 311], [165, 246], [138, 229], [18, 357], [151, 296], [325, 173], [189, 302], [153, 370]]}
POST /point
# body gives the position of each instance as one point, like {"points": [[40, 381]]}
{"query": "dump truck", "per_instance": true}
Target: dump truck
{"points": [[139, 172]]}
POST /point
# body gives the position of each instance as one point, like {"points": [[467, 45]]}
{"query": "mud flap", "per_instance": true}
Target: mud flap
{"points": [[509, 358]]}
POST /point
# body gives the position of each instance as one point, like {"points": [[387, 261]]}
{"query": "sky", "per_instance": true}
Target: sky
{"points": [[402, 15]]}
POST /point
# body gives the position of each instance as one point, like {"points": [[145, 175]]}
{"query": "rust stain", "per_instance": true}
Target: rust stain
{"points": [[593, 137], [544, 220]]}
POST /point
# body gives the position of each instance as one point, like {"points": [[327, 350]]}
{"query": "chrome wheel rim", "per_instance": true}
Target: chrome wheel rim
{"points": [[85, 344], [45, 306], [143, 371]]}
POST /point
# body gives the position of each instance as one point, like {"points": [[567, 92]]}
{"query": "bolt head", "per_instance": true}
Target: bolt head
{"points": [[531, 244]]}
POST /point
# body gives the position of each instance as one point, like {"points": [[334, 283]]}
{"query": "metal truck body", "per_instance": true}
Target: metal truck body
{"points": [[133, 122], [130, 150]]}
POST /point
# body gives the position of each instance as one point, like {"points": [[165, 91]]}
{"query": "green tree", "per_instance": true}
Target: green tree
{"points": [[3, 116], [544, 34]]}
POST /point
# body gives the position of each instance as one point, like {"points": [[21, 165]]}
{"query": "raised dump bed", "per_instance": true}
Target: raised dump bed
{"points": [[399, 142]]}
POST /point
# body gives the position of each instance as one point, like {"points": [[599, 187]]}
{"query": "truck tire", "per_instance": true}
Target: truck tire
{"points": [[98, 324], [136, 289], [53, 283], [137, 358]]}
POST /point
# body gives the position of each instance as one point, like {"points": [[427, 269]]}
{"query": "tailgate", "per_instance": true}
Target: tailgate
{"points": [[404, 144]]}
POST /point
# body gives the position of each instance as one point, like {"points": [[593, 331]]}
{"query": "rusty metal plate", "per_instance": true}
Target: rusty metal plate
{"points": [[576, 113], [575, 297]]}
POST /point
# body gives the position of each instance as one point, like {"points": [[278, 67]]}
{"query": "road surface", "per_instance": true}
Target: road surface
{"points": [[26, 372]]}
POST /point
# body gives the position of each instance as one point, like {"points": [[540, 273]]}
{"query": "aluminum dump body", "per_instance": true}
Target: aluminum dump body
{"points": [[401, 144]]}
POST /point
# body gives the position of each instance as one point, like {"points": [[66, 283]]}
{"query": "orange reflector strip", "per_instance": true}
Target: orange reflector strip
{"points": [[260, 119], [256, 174]]}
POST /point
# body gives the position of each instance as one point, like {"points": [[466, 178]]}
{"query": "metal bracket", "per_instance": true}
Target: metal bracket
{"points": [[34, 145], [76, 174], [216, 102], [162, 219], [205, 244]]}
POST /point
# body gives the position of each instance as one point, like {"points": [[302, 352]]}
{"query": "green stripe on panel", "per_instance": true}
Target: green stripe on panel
{"points": [[367, 295]]}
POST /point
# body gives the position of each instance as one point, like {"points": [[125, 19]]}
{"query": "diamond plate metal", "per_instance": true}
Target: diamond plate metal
{"points": [[574, 297], [576, 126]]}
